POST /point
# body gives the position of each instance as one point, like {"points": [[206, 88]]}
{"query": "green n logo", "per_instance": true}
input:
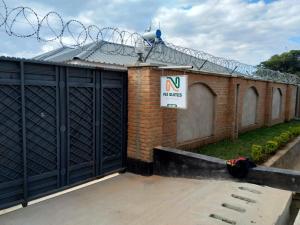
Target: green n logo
{"points": [[172, 83]]}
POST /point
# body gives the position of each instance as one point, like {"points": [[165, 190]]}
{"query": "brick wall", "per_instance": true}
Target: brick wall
{"points": [[149, 125]]}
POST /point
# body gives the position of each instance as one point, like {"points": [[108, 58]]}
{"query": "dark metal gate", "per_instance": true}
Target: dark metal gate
{"points": [[60, 125]]}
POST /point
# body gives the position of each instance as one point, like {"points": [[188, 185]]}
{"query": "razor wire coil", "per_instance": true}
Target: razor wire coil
{"points": [[109, 40]]}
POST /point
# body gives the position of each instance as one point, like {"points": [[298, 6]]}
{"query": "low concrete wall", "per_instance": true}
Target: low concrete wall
{"points": [[288, 157], [177, 163]]}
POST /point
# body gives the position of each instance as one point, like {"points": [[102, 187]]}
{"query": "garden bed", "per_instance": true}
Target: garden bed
{"points": [[287, 157], [261, 138]]}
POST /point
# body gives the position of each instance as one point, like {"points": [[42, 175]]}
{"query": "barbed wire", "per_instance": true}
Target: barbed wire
{"points": [[24, 22]]}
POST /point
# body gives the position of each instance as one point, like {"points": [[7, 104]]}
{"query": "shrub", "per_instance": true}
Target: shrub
{"points": [[285, 136], [294, 130], [279, 140], [297, 131], [271, 147], [257, 153], [290, 134]]}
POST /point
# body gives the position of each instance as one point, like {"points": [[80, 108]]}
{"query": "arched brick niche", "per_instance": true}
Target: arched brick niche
{"points": [[276, 103], [250, 104], [197, 121], [293, 102]]}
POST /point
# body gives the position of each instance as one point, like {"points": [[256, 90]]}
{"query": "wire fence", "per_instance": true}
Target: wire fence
{"points": [[25, 22]]}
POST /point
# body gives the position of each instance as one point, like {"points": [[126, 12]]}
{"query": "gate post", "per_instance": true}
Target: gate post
{"points": [[145, 118]]}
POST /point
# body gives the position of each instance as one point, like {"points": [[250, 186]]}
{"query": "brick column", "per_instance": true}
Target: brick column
{"points": [[233, 101], [145, 118], [268, 104], [297, 102], [288, 102]]}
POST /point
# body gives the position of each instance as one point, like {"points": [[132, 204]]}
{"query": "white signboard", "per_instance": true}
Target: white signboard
{"points": [[173, 92]]}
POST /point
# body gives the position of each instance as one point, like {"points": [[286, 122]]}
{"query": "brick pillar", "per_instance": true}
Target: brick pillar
{"points": [[297, 102], [233, 100], [145, 118], [268, 104], [288, 102]]}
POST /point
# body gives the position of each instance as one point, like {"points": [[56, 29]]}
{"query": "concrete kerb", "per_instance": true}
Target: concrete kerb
{"points": [[178, 163]]}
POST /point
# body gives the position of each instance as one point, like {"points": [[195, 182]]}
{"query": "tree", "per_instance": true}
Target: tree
{"points": [[288, 62]]}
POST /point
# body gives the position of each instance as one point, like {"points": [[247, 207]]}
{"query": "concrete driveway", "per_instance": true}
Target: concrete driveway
{"points": [[136, 200]]}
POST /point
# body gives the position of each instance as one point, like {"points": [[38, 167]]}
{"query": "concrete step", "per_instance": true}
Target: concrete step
{"points": [[246, 204]]}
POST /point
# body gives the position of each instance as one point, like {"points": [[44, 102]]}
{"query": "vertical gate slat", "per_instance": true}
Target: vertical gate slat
{"points": [[67, 128], [57, 77], [62, 115], [101, 122], [25, 177], [94, 123], [98, 118], [125, 119]]}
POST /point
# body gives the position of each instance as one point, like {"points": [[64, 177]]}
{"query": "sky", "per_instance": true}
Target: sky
{"points": [[249, 31]]}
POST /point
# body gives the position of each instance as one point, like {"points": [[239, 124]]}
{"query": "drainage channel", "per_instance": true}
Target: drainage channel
{"points": [[233, 207], [223, 219]]}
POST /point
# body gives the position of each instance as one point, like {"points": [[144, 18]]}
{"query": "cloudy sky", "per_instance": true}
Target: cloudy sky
{"points": [[246, 30]]}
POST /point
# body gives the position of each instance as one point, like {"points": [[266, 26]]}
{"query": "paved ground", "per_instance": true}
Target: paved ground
{"points": [[136, 200]]}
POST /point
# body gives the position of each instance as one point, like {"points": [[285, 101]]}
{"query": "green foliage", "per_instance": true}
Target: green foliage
{"points": [[271, 147], [289, 134], [295, 131], [279, 140], [288, 62], [257, 153], [230, 149], [285, 136]]}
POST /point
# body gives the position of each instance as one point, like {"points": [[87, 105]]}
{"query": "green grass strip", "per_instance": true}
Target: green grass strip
{"points": [[229, 149]]}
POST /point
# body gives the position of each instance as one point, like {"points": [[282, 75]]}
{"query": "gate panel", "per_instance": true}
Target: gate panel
{"points": [[41, 130], [112, 122], [81, 125], [41, 139], [11, 154]]}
